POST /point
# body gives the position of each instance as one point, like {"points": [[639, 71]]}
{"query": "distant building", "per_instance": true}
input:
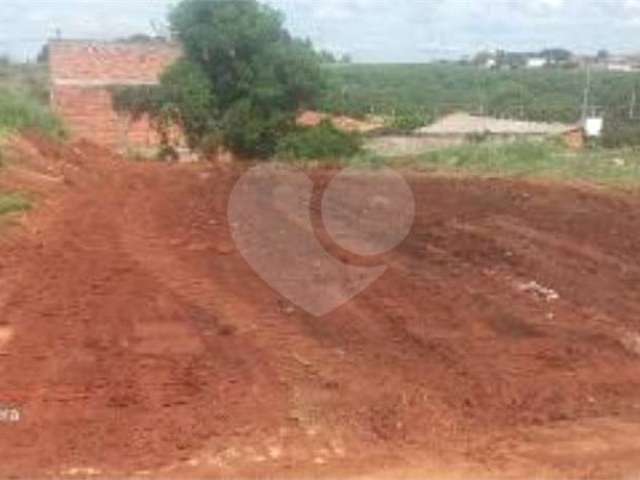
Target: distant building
{"points": [[490, 63], [462, 128], [620, 67], [82, 75], [536, 62], [508, 60], [465, 124], [459, 128], [625, 64]]}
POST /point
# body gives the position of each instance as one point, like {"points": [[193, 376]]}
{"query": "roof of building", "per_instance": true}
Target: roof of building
{"points": [[466, 124], [100, 63]]}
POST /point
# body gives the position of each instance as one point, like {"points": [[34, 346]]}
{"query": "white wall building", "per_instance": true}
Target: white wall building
{"points": [[620, 67], [536, 62]]}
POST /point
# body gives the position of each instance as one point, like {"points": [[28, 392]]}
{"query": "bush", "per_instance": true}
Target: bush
{"points": [[19, 112], [323, 142], [407, 123], [251, 131]]}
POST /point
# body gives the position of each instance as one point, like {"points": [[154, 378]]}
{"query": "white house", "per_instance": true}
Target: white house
{"points": [[620, 67], [490, 63], [536, 62]]}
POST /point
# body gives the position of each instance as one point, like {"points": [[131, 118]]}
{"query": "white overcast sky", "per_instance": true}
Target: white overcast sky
{"points": [[369, 30]]}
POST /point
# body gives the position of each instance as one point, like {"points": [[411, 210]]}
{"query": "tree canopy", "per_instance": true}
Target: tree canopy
{"points": [[242, 78]]}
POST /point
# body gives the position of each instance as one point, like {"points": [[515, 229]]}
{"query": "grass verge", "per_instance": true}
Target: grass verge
{"points": [[19, 112], [12, 203], [522, 159]]}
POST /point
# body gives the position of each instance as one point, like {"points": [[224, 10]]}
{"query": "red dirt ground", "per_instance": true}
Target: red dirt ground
{"points": [[138, 342]]}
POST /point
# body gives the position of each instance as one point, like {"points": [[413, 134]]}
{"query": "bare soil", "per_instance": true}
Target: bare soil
{"points": [[502, 342]]}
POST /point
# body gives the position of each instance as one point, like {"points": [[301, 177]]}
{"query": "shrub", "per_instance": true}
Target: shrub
{"points": [[409, 122], [319, 143], [251, 131]]}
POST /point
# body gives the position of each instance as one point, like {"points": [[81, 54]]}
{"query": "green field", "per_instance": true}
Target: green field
{"points": [[429, 90]]}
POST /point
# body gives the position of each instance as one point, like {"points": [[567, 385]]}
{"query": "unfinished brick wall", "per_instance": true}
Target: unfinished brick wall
{"points": [[82, 73]]}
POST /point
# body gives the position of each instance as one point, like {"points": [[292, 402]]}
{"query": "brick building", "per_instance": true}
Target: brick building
{"points": [[81, 74]]}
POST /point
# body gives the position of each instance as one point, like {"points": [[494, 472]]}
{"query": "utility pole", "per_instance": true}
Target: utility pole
{"points": [[632, 105], [587, 93]]}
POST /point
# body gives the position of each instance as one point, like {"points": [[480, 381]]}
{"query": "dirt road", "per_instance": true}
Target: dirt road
{"points": [[502, 342]]}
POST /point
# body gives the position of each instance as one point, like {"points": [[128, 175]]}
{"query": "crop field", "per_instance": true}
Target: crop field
{"points": [[427, 90]]}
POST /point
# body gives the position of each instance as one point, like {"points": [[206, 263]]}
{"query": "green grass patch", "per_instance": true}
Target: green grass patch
{"points": [[523, 159], [13, 203], [20, 112], [323, 142], [518, 158], [537, 160]]}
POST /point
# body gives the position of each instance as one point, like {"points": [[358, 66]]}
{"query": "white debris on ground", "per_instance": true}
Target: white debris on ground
{"points": [[83, 472], [619, 162], [6, 334], [631, 341], [548, 294]]}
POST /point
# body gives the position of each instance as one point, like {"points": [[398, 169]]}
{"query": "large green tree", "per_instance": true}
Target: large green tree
{"points": [[242, 78]]}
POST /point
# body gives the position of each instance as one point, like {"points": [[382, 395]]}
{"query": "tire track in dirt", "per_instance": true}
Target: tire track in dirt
{"points": [[112, 369], [507, 361], [219, 285]]}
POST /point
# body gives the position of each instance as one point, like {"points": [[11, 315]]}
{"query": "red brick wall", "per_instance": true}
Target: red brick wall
{"points": [[88, 113], [81, 74]]}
